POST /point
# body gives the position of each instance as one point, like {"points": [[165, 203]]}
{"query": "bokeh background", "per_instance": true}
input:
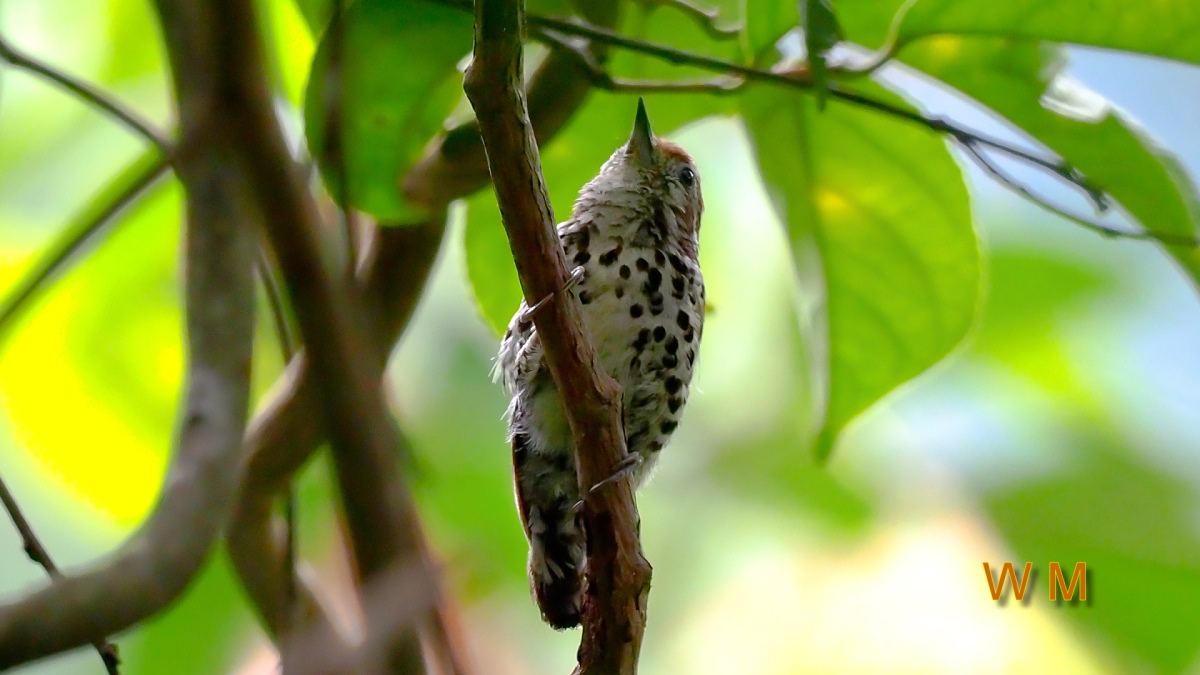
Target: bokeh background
{"points": [[1064, 429]]}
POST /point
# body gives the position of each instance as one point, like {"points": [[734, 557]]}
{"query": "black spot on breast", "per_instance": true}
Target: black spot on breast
{"points": [[668, 427], [660, 258], [585, 297], [610, 257], [672, 345], [678, 264], [691, 357], [642, 265], [677, 286], [660, 333], [683, 320], [635, 363], [625, 271], [642, 340], [583, 239], [670, 361], [620, 291], [673, 404], [635, 311], [673, 384], [656, 303], [689, 335], [653, 279], [582, 257]]}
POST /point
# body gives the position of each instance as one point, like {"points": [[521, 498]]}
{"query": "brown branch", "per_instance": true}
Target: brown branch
{"points": [[601, 79], [38, 554], [456, 166], [122, 191], [87, 93], [394, 600], [155, 564], [217, 41], [618, 574]]}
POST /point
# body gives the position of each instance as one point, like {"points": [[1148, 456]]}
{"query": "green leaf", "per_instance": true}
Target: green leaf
{"points": [[1166, 28], [887, 208], [821, 33], [1114, 152], [398, 83], [575, 155]]}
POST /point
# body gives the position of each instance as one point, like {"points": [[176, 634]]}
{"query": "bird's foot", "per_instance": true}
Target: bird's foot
{"points": [[624, 469]]}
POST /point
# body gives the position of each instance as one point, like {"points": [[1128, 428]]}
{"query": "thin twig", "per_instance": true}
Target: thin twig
{"points": [[38, 554], [1014, 185], [601, 79], [287, 348], [87, 92], [112, 200]]}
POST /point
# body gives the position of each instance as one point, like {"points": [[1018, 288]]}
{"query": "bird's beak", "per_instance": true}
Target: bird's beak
{"points": [[641, 141]]}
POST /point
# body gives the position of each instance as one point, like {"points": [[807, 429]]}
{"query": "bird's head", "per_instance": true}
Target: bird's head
{"points": [[650, 182]]}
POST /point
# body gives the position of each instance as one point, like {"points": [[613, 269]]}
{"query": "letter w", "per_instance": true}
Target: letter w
{"points": [[1007, 572]]}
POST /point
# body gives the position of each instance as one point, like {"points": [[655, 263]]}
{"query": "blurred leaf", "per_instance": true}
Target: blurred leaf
{"points": [[1028, 295], [106, 344], [316, 14], [1135, 529], [464, 485], [821, 33], [760, 470], [575, 155], [887, 208], [397, 83], [766, 22]]}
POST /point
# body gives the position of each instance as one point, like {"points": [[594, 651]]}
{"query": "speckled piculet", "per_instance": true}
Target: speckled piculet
{"points": [[633, 240]]}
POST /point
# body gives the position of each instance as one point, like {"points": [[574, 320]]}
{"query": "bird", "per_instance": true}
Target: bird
{"points": [[633, 242]]}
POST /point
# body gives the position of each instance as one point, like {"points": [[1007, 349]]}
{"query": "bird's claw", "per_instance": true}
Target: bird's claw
{"points": [[572, 281], [622, 470]]}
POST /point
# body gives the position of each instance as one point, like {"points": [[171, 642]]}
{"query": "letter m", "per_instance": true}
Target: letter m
{"points": [[1058, 582], [1008, 573]]}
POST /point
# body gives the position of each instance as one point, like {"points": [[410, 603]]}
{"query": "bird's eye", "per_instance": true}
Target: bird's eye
{"points": [[687, 176]]}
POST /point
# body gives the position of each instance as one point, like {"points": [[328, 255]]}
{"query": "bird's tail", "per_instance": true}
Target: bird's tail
{"points": [[556, 565]]}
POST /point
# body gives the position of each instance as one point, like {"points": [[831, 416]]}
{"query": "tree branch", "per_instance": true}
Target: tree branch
{"points": [[38, 554], [618, 574], [155, 564], [392, 274], [381, 517], [87, 93]]}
